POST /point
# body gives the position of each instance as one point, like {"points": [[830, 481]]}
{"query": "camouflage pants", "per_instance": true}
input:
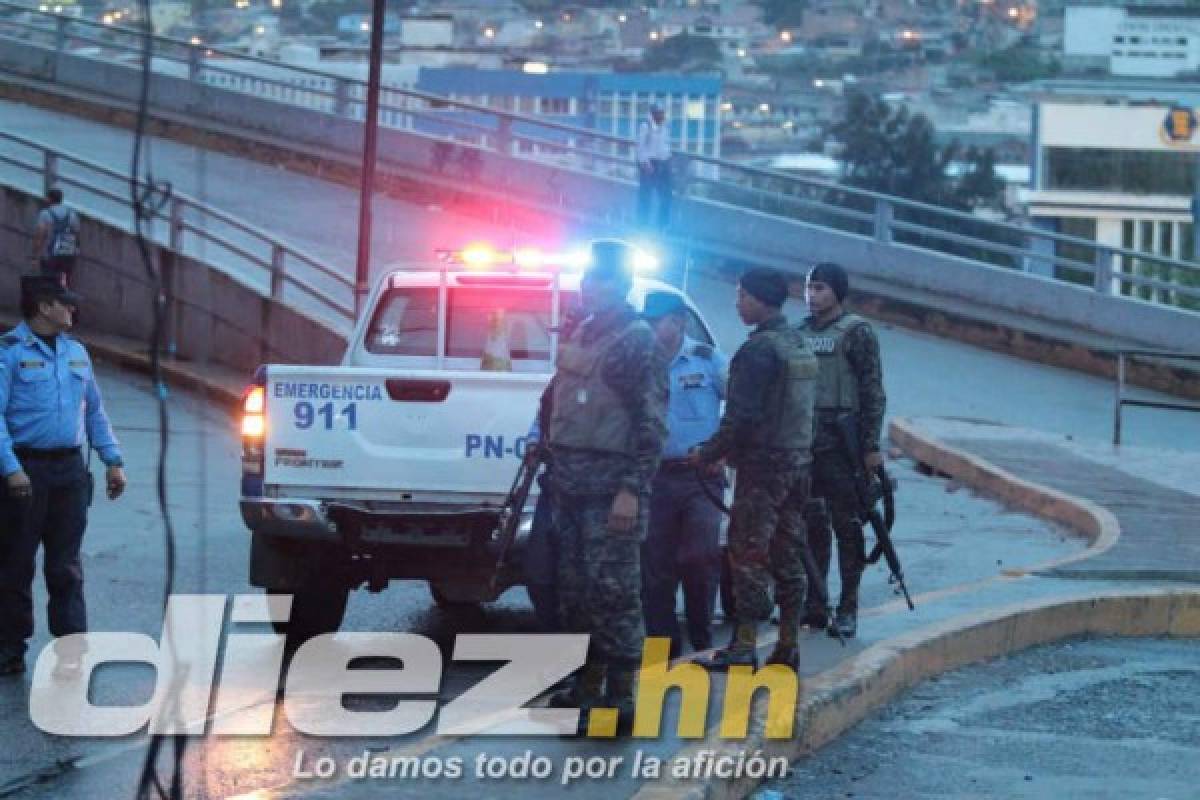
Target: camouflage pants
{"points": [[599, 577], [833, 491], [766, 542]]}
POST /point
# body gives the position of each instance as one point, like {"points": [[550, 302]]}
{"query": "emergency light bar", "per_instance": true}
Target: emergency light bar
{"points": [[482, 256]]}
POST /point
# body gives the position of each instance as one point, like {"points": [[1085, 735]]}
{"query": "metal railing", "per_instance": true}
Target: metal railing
{"points": [[1123, 357], [246, 253], [883, 218]]}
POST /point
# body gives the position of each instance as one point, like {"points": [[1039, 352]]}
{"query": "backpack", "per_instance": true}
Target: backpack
{"points": [[64, 239]]}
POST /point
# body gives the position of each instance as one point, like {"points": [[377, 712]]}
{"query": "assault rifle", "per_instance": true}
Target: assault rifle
{"points": [[869, 494], [509, 519]]}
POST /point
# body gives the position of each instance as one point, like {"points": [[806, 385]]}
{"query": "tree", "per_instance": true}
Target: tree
{"points": [[1019, 64], [783, 13], [891, 151], [683, 53], [979, 186]]}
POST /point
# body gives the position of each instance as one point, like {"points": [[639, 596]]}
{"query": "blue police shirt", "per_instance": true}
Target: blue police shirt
{"points": [[49, 398], [697, 378]]}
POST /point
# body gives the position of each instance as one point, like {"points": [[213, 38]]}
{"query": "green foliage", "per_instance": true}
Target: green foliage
{"points": [[1020, 64], [979, 186], [894, 152], [326, 12], [783, 13], [891, 151], [683, 52]]}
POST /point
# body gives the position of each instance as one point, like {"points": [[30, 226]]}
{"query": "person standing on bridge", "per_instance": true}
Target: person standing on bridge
{"points": [[654, 168], [56, 238], [603, 421], [850, 382], [683, 542], [50, 408], [766, 435]]}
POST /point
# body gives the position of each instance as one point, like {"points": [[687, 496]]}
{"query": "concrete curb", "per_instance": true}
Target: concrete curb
{"points": [[837, 699], [174, 373], [227, 393], [1098, 524]]}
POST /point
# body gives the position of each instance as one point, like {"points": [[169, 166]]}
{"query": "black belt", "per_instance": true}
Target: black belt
{"points": [[674, 465], [45, 454]]}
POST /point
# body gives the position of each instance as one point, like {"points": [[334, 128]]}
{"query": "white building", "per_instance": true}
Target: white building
{"points": [[1135, 42], [1111, 173], [429, 30]]}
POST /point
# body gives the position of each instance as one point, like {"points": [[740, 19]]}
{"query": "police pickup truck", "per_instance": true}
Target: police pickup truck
{"points": [[393, 465]]}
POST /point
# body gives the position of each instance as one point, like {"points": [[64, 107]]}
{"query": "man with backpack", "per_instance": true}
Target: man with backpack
{"points": [[56, 238]]}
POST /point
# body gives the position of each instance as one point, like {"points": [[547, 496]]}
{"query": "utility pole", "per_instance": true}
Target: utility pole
{"points": [[362, 273]]}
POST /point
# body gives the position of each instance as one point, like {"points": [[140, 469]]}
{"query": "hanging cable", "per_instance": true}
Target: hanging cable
{"points": [[147, 199]]}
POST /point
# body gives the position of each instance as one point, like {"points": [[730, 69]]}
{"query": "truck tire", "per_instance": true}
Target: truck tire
{"points": [[315, 610]]}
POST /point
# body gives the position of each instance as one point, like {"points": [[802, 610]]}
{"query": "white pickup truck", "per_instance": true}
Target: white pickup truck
{"points": [[394, 464]]}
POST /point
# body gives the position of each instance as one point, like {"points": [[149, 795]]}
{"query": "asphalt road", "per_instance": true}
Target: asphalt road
{"points": [[1106, 719]]}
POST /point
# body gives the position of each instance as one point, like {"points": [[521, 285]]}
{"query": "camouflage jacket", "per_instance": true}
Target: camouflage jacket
{"points": [[637, 371], [754, 368]]}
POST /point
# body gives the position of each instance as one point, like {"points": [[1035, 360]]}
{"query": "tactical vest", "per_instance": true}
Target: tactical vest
{"points": [[837, 387], [788, 412], [587, 414]]}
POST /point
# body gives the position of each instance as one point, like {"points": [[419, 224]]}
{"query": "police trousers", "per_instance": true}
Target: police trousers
{"points": [[53, 517], [682, 547]]}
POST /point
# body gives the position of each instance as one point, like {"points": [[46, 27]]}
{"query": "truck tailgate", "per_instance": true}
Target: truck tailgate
{"points": [[396, 431]]}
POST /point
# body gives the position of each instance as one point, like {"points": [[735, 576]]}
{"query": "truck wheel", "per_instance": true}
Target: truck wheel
{"points": [[443, 601], [315, 610]]}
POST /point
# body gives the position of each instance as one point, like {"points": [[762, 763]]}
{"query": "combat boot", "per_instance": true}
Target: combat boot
{"points": [[844, 623], [786, 651], [586, 691], [739, 652], [620, 697], [816, 619]]}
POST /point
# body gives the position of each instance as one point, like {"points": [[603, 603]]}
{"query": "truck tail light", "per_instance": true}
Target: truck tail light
{"points": [[254, 419], [254, 425]]}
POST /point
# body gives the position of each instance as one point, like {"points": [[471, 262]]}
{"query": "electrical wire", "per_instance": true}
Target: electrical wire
{"points": [[147, 199]]}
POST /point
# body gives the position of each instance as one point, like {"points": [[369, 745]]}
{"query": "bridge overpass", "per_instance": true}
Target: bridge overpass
{"points": [[940, 264]]}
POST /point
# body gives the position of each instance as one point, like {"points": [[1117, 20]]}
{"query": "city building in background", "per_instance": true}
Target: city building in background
{"points": [[1118, 173], [1137, 41], [612, 103]]}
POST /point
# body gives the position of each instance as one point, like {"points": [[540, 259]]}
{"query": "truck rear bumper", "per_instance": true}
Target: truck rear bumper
{"points": [[293, 518]]}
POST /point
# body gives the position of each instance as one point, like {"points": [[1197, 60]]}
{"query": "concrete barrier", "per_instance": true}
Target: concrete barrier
{"points": [[258, 127], [212, 318]]}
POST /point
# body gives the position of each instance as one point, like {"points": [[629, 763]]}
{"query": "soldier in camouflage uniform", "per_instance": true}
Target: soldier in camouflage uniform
{"points": [[851, 381], [603, 415], [766, 434]]}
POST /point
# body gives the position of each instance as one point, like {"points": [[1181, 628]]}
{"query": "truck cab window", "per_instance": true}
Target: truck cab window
{"points": [[522, 316], [406, 323]]}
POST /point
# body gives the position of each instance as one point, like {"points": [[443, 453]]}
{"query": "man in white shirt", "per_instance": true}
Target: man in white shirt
{"points": [[654, 167]]}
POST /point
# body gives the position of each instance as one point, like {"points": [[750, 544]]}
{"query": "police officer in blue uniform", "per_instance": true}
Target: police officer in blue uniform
{"points": [[682, 543], [50, 408]]}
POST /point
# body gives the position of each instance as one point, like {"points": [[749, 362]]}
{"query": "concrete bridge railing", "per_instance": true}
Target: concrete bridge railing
{"points": [[723, 208]]}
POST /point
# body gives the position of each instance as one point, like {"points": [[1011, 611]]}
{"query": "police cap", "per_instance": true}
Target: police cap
{"points": [[660, 304], [611, 259], [45, 287]]}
